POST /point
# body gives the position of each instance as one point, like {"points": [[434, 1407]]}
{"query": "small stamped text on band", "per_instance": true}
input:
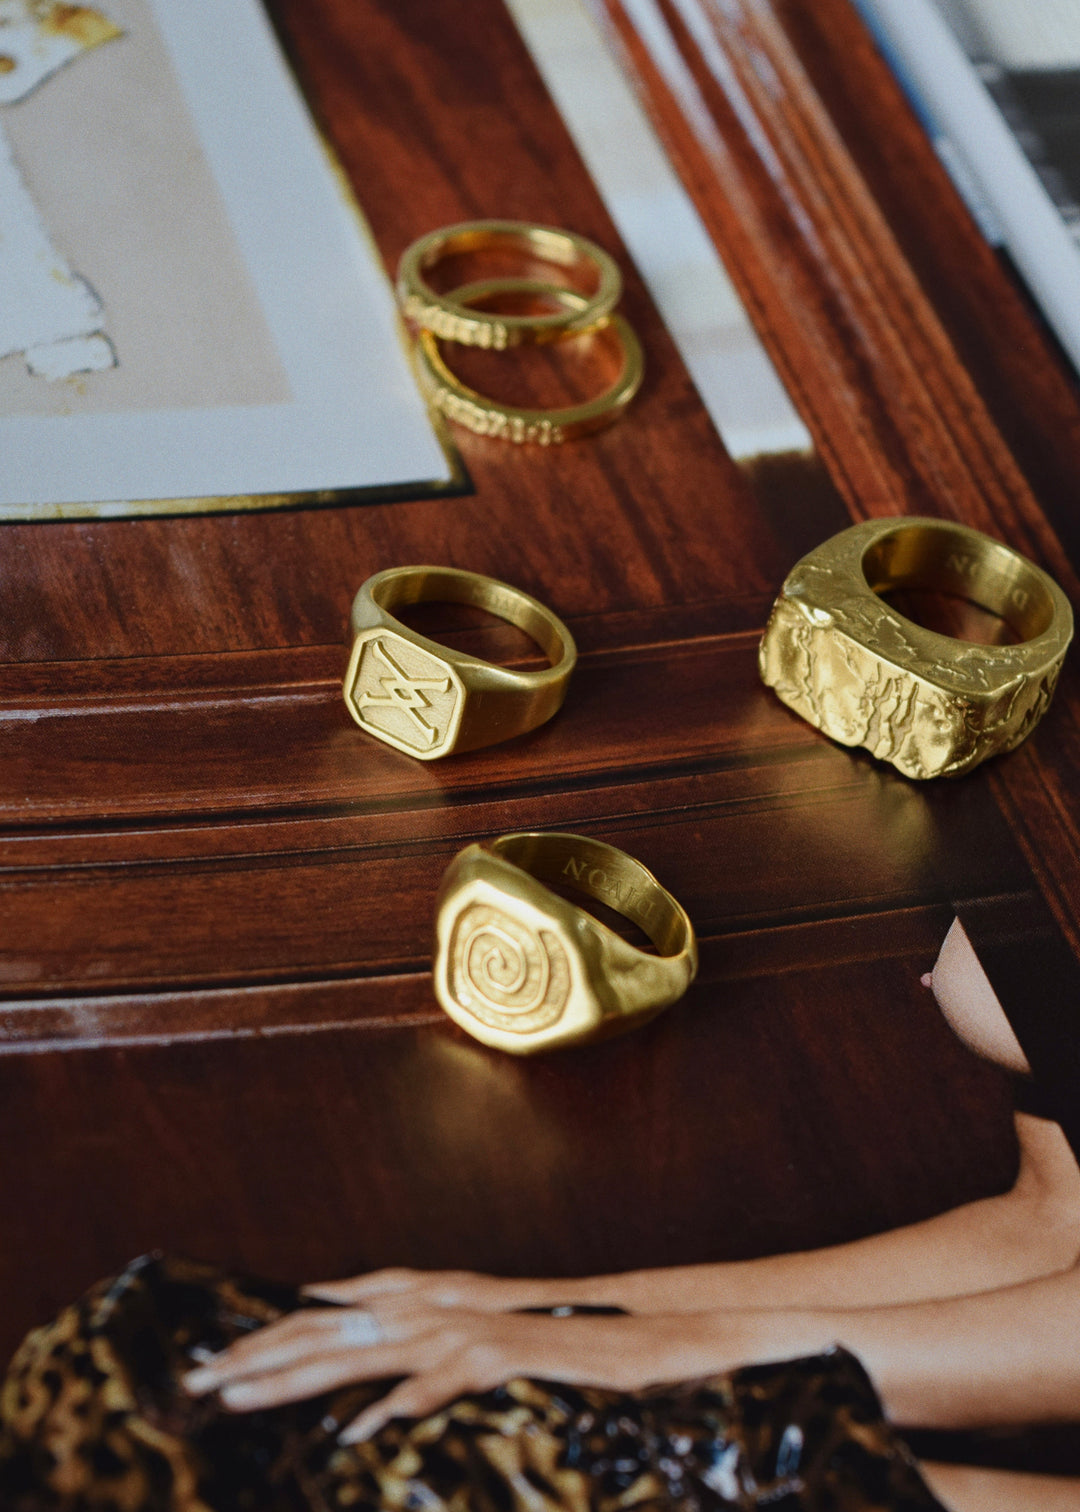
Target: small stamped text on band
{"points": [[965, 565], [623, 896], [497, 601]]}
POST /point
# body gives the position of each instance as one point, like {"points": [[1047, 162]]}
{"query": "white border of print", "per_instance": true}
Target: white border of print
{"points": [[355, 421]]}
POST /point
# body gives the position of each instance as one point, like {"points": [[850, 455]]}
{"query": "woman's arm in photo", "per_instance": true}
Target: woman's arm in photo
{"points": [[1031, 1230], [969, 1488], [998, 1357]]}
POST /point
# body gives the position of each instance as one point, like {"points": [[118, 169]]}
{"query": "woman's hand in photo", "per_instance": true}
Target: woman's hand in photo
{"points": [[401, 1290], [447, 1352]]}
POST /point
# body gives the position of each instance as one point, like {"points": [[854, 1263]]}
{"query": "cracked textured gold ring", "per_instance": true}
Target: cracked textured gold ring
{"points": [[428, 700], [523, 969], [452, 319], [540, 427], [848, 662]]}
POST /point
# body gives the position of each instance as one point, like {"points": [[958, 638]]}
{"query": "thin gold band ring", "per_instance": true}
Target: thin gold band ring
{"points": [[451, 319], [541, 427]]}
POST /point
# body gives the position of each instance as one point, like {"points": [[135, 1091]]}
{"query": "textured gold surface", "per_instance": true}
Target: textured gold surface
{"points": [[428, 700], [540, 427], [850, 664], [523, 969]]}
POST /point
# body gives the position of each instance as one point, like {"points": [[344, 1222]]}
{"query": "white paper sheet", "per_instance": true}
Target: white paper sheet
{"points": [[190, 309], [661, 228]]}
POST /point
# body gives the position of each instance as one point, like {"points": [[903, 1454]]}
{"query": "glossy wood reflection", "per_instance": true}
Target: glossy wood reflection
{"points": [[217, 1033], [724, 1131]]}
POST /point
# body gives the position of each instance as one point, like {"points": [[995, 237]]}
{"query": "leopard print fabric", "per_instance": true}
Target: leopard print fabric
{"points": [[92, 1420]]}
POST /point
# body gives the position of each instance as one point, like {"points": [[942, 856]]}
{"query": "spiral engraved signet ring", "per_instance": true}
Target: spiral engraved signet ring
{"points": [[522, 968], [428, 700], [851, 664]]}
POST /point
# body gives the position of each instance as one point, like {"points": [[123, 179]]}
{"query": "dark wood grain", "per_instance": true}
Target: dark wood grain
{"points": [[217, 1032], [894, 412], [768, 841], [900, 418], [747, 1120], [1021, 376]]}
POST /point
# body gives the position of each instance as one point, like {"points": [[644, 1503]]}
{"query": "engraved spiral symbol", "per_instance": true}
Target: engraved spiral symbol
{"points": [[505, 973]]}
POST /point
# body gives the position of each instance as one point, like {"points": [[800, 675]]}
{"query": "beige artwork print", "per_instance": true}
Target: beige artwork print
{"points": [[103, 183], [47, 312]]}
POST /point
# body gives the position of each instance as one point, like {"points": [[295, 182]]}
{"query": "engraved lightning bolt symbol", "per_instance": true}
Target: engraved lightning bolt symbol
{"points": [[404, 693]]}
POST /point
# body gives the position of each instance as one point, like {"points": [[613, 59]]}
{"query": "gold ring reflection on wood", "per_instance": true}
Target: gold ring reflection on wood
{"points": [[428, 700], [523, 969], [848, 662]]}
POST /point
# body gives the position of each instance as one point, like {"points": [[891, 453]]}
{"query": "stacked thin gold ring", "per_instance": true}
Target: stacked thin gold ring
{"points": [[451, 318], [456, 316]]}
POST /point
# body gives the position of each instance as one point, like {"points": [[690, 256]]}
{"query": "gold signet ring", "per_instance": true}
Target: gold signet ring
{"points": [[451, 319], [523, 969], [428, 700], [847, 661]]}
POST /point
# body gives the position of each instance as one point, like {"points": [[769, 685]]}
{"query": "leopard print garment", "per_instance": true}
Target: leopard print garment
{"points": [[91, 1420]]}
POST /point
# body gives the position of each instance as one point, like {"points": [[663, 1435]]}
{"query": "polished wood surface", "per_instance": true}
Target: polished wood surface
{"points": [[218, 1032]]}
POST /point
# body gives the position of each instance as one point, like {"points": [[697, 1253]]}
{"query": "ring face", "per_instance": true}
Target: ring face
{"points": [[931, 705], [404, 694], [506, 970]]}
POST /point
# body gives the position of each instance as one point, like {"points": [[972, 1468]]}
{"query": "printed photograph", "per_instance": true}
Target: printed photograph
{"points": [[151, 272]]}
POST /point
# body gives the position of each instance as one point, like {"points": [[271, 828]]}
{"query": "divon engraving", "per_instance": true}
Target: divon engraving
{"points": [[625, 897]]}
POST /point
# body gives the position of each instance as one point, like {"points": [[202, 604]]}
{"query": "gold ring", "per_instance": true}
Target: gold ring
{"points": [[427, 700], [542, 427], [848, 662], [450, 318], [523, 969]]}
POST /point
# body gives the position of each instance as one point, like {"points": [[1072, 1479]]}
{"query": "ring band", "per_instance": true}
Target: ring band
{"points": [[358, 1327], [930, 704], [427, 700], [451, 319], [521, 968], [541, 427]]}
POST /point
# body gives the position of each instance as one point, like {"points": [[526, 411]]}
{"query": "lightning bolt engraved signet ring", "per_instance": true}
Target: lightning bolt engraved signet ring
{"points": [[430, 700]]}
